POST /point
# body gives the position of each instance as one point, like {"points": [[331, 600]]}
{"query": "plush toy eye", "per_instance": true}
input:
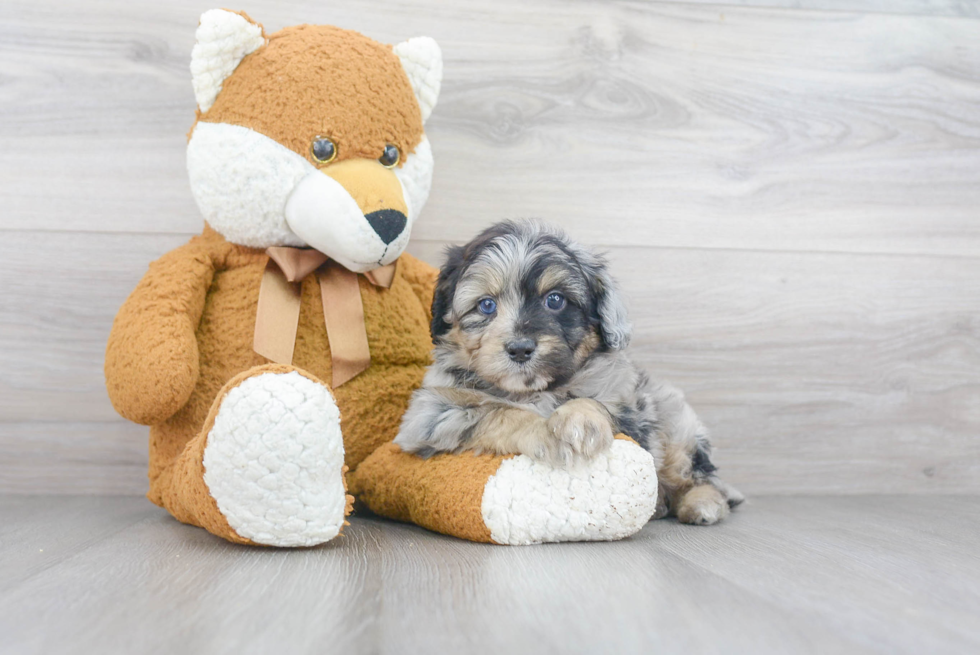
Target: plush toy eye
{"points": [[554, 301], [324, 149], [487, 306], [389, 158]]}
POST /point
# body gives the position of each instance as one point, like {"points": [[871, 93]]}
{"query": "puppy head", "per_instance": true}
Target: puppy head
{"points": [[521, 307]]}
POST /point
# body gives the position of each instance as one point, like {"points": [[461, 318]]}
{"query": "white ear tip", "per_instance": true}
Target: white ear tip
{"points": [[223, 40], [421, 58]]}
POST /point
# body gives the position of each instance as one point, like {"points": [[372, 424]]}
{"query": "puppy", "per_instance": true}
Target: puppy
{"points": [[530, 335]]}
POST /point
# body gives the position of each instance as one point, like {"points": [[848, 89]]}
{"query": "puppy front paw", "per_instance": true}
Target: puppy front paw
{"points": [[581, 427]]}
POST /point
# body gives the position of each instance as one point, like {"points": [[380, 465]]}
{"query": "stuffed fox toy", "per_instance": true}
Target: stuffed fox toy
{"points": [[274, 354]]}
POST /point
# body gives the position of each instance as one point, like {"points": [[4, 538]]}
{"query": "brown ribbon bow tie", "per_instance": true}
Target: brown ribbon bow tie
{"points": [[277, 316]]}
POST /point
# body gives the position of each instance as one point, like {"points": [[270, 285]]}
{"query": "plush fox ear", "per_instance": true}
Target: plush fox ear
{"points": [[223, 39], [422, 60]]}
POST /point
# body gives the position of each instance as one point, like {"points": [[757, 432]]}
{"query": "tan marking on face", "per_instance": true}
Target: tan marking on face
{"points": [[587, 347], [547, 343], [312, 80], [462, 344], [551, 278], [490, 359], [480, 282], [483, 352]]}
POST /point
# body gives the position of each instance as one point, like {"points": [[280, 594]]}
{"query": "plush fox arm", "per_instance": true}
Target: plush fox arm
{"points": [[151, 363]]}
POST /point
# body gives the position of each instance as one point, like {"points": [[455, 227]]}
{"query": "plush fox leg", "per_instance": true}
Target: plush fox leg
{"points": [[512, 500], [268, 465]]}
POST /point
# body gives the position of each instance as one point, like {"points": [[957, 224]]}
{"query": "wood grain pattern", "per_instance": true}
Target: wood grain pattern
{"points": [[681, 125], [790, 198], [80, 457], [816, 372], [807, 575], [953, 8]]}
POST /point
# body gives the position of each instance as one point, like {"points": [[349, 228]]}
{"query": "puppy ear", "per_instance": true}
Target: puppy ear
{"points": [[614, 324], [442, 299], [609, 308]]}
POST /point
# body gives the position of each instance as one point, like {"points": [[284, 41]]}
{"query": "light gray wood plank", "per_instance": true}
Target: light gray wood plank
{"points": [[36, 534], [60, 457], [61, 292], [796, 574], [625, 597], [842, 558], [952, 8], [816, 372], [160, 586], [633, 123]]}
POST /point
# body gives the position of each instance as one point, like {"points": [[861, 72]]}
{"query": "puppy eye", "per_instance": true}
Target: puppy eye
{"points": [[554, 301], [389, 158], [487, 306], [323, 149]]}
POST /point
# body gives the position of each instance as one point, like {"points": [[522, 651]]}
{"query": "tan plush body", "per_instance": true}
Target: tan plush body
{"points": [[195, 312], [313, 138]]}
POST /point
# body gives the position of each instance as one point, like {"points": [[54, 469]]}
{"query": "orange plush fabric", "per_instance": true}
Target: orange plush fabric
{"points": [[443, 494], [216, 292], [306, 83]]}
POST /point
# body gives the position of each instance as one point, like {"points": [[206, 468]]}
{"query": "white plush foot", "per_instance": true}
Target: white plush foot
{"points": [[274, 461], [611, 497]]}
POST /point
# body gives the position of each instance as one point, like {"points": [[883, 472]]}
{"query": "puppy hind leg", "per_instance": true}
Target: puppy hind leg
{"points": [[692, 492], [702, 504]]}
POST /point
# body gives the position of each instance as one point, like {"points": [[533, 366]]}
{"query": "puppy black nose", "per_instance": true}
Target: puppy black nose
{"points": [[388, 223], [520, 350]]}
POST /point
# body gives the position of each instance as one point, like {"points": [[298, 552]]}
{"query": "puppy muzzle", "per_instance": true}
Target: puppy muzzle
{"points": [[520, 350]]}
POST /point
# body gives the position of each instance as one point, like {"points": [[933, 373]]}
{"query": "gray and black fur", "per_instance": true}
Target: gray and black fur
{"points": [[551, 379]]}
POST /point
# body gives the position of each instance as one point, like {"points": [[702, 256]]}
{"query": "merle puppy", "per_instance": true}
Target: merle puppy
{"points": [[530, 358]]}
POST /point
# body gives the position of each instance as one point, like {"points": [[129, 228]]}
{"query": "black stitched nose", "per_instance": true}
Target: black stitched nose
{"points": [[520, 350], [388, 223]]}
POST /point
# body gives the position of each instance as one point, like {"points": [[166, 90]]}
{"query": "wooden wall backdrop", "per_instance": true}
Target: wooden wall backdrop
{"points": [[790, 194]]}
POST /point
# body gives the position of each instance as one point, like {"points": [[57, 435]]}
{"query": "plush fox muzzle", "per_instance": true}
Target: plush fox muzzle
{"points": [[325, 204]]}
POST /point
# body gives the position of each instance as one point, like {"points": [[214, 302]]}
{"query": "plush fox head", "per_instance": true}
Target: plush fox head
{"points": [[312, 136]]}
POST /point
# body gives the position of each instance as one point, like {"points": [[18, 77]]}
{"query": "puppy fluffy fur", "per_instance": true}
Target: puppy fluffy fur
{"points": [[530, 335]]}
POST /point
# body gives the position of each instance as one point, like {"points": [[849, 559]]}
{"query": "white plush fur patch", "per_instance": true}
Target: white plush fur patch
{"points": [[415, 176], [527, 502], [241, 181], [324, 215], [274, 461], [223, 40], [422, 60]]}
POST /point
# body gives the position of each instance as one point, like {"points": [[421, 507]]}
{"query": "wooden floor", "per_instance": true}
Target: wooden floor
{"points": [[884, 574]]}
